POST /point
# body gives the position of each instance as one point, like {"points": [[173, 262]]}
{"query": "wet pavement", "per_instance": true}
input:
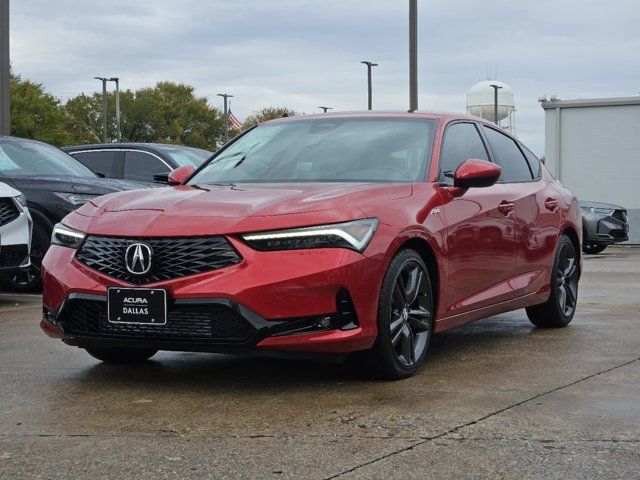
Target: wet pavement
{"points": [[496, 399]]}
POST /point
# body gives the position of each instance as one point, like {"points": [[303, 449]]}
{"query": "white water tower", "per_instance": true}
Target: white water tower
{"points": [[481, 103]]}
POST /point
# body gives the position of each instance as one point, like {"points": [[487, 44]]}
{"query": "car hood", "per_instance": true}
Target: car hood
{"points": [[215, 209], [8, 191], [587, 204], [88, 185]]}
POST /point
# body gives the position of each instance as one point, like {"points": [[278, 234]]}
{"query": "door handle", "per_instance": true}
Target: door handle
{"points": [[551, 204], [506, 207]]}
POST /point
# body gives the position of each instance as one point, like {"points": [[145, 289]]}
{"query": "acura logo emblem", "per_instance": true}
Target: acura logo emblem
{"points": [[138, 258]]}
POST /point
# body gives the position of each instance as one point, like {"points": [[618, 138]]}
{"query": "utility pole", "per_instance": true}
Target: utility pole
{"points": [[118, 132], [226, 97], [495, 102], [369, 65], [104, 107], [413, 55], [5, 120], [324, 109]]}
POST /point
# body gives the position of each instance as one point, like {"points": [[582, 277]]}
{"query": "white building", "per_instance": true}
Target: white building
{"points": [[593, 147]]}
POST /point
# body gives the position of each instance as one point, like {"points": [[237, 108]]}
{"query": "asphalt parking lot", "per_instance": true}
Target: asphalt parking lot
{"points": [[496, 399]]}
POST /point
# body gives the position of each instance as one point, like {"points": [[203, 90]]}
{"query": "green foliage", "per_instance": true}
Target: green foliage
{"points": [[268, 113], [166, 113], [35, 113]]}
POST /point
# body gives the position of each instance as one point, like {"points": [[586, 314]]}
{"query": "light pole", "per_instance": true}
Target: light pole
{"points": [[495, 102], [118, 132], [413, 55], [369, 89], [104, 81], [5, 121], [226, 97], [324, 109]]}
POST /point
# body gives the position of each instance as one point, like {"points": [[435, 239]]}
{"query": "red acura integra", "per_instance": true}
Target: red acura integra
{"points": [[321, 234]]}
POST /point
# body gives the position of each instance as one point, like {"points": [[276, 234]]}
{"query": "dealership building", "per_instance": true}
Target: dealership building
{"points": [[593, 147]]}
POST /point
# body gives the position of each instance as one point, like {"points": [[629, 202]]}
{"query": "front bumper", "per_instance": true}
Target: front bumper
{"points": [[317, 301], [604, 229], [15, 242]]}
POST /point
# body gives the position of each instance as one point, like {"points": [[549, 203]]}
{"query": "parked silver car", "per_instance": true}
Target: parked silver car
{"points": [[15, 231]]}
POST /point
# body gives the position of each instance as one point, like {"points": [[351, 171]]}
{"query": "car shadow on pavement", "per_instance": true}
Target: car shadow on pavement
{"points": [[197, 370]]}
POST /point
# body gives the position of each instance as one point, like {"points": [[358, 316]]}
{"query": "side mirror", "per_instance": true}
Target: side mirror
{"points": [[180, 174], [474, 173]]}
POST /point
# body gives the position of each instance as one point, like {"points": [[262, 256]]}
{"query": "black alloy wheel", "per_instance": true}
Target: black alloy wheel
{"points": [[410, 322], [567, 279], [405, 318], [559, 309]]}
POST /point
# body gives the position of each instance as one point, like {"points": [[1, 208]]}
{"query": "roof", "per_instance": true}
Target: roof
{"points": [[590, 102], [383, 114], [139, 145]]}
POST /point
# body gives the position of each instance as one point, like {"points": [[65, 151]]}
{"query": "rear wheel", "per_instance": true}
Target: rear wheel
{"points": [[593, 248], [121, 355], [558, 311], [405, 318]]}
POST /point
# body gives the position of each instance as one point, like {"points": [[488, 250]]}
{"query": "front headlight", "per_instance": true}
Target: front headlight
{"points": [[75, 199], [21, 199], [66, 237], [604, 211], [355, 235]]}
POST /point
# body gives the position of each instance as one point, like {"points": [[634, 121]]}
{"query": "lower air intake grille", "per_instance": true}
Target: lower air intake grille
{"points": [[206, 323], [12, 255], [8, 211]]}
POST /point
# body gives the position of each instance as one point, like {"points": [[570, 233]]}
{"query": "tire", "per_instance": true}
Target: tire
{"points": [[559, 309], [405, 319], [593, 248], [28, 280], [121, 355]]}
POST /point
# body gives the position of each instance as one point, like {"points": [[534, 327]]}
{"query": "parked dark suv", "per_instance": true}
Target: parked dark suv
{"points": [[54, 185], [141, 162]]}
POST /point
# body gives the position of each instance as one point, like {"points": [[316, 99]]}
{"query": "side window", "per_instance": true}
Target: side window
{"points": [[142, 166], [514, 166], [461, 142], [534, 162], [100, 162]]}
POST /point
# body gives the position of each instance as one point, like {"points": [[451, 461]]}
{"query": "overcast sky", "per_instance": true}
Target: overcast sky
{"points": [[304, 53]]}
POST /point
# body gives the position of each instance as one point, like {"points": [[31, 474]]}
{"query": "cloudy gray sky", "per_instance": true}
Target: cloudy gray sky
{"points": [[304, 53]]}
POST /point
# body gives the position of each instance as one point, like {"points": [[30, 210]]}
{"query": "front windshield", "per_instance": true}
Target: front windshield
{"points": [[21, 158], [325, 150], [193, 157]]}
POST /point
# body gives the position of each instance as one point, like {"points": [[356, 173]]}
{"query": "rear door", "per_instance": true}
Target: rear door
{"points": [[480, 227], [536, 210]]}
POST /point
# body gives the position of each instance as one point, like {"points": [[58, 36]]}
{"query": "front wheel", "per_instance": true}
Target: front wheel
{"points": [[121, 355], [593, 248], [405, 318], [558, 311]]}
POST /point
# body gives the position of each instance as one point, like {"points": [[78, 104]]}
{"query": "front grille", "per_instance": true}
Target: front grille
{"points": [[12, 255], [8, 211], [620, 215], [204, 323], [172, 257]]}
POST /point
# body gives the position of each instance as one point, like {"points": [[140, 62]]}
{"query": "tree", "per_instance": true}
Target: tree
{"points": [[268, 113], [166, 113], [35, 113]]}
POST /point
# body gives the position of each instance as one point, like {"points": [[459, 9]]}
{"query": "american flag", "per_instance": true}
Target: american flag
{"points": [[234, 123]]}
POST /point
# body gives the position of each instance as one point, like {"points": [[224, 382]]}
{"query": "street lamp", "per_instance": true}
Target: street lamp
{"points": [[413, 55], [369, 65], [495, 102], [5, 121], [226, 97], [324, 109], [104, 81], [118, 133]]}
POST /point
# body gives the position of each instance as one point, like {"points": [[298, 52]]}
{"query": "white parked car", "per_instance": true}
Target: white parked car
{"points": [[15, 231]]}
